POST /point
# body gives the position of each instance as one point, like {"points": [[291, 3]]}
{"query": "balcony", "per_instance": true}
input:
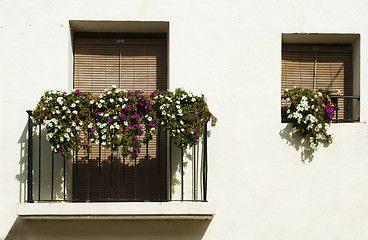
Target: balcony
{"points": [[346, 109], [102, 184]]}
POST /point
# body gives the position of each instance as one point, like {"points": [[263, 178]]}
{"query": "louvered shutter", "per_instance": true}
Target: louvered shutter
{"points": [[134, 63], [318, 66]]}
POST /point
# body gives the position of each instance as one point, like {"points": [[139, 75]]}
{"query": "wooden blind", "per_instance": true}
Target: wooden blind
{"points": [[317, 66], [133, 63]]}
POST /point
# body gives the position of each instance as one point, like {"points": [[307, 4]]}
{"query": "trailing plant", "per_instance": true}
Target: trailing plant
{"points": [[311, 113], [120, 119]]}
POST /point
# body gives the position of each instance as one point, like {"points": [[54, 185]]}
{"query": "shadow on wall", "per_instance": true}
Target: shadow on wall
{"points": [[295, 140], [107, 229]]}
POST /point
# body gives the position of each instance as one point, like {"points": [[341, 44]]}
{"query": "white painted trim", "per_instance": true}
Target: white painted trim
{"points": [[129, 210]]}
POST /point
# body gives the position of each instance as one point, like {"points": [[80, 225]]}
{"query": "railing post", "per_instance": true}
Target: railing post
{"points": [[30, 159], [205, 163]]}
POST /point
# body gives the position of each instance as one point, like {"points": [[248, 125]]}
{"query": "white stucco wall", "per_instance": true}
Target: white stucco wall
{"points": [[231, 52]]}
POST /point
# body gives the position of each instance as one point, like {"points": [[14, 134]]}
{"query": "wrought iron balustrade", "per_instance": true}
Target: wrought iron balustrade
{"points": [[172, 174]]}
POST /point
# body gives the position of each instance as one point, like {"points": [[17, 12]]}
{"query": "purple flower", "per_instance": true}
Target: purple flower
{"points": [[332, 115], [110, 120], [154, 119], [209, 119], [196, 138], [64, 92], [151, 124], [141, 132], [136, 140], [196, 112], [138, 150], [60, 151], [147, 106], [136, 115], [99, 113], [77, 91], [83, 97], [196, 131], [129, 91], [147, 101], [127, 108], [85, 144], [152, 94], [92, 128], [133, 107], [122, 116], [130, 127], [141, 103], [135, 92], [137, 125], [142, 96]]}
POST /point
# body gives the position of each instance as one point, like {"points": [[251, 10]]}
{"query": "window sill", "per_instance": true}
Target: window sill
{"points": [[114, 211]]}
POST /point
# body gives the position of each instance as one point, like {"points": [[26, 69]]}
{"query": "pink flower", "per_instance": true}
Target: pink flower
{"points": [[127, 108], [130, 127], [110, 120], [196, 112], [137, 125], [136, 115], [92, 128], [60, 151], [100, 113], [85, 144]]}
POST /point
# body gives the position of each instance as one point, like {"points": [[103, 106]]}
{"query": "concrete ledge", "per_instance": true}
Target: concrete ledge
{"points": [[113, 211]]}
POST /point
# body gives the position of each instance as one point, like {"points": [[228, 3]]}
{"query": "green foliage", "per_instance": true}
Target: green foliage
{"points": [[310, 113], [120, 119]]}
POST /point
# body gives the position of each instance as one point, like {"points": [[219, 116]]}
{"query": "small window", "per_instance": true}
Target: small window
{"points": [[317, 66]]}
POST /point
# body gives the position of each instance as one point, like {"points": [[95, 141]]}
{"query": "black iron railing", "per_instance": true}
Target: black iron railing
{"points": [[343, 106], [168, 174]]}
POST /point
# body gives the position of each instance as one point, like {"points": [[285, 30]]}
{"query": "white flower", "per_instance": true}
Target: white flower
{"points": [[68, 130], [97, 141], [120, 99], [288, 99], [75, 112], [68, 111], [73, 105], [178, 130], [99, 105], [74, 124], [77, 127], [111, 100], [77, 101], [102, 101], [80, 123], [64, 108], [57, 111], [92, 102], [61, 139], [193, 99], [103, 143], [106, 115], [109, 92], [177, 106], [113, 86], [103, 137], [181, 122], [149, 118], [182, 130], [95, 133], [90, 125]]}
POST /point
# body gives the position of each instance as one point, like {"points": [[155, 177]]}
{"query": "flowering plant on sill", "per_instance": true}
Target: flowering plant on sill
{"points": [[311, 114], [120, 119]]}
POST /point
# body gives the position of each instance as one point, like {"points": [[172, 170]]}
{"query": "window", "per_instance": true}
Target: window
{"points": [[315, 66], [132, 62]]}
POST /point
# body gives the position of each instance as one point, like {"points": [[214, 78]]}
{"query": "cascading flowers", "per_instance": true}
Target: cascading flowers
{"points": [[311, 114], [120, 119]]}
